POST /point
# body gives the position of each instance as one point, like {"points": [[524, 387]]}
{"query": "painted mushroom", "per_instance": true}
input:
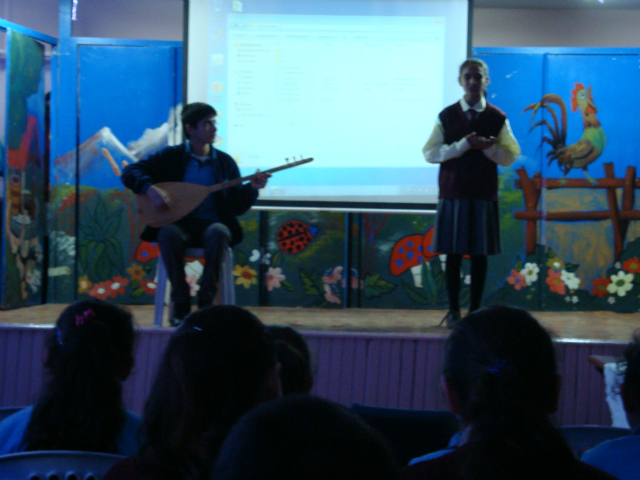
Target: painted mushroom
{"points": [[409, 253], [147, 251]]}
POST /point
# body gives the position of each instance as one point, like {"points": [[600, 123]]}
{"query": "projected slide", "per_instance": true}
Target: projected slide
{"points": [[357, 91]]}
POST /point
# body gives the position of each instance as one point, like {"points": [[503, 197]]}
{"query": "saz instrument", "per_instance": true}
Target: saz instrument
{"points": [[185, 197]]}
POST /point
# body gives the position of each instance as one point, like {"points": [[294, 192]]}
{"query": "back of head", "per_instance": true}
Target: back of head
{"points": [[294, 356], [193, 113], [212, 372], [501, 364], [302, 437], [89, 354]]}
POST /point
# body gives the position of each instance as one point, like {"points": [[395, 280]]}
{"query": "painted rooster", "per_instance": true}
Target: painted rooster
{"points": [[593, 140]]}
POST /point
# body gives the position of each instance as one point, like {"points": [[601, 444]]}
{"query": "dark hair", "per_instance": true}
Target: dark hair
{"points": [[89, 354], [193, 113], [294, 356], [211, 373], [501, 364], [475, 62], [632, 369], [302, 437]]}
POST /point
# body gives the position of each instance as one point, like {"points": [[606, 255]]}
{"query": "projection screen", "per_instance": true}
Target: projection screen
{"points": [[355, 84]]}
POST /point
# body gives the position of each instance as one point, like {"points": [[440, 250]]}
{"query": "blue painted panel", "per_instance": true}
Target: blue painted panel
{"points": [[116, 42], [128, 97], [516, 81], [613, 80], [589, 246], [125, 90], [23, 229], [556, 50]]}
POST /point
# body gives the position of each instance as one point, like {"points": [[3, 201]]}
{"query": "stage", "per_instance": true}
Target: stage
{"points": [[378, 357], [566, 326]]}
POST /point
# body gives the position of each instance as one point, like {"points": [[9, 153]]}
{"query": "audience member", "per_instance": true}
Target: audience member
{"points": [[89, 354], [621, 457], [302, 437], [219, 366], [500, 377], [294, 356]]}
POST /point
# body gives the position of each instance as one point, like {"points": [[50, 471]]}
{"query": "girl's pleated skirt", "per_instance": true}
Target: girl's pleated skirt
{"points": [[467, 226]]}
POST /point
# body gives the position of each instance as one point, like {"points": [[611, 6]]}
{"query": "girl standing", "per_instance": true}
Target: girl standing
{"points": [[470, 139]]}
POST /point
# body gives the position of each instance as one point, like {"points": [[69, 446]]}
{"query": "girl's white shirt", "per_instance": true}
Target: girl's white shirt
{"points": [[504, 152]]}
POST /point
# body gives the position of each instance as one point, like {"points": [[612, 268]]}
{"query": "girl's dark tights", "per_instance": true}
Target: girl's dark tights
{"points": [[478, 277]]}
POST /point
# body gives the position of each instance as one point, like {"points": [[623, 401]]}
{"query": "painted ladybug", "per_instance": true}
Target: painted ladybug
{"points": [[294, 236]]}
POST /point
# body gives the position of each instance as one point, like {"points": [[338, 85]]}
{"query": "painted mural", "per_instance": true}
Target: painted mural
{"points": [[576, 181], [567, 207], [24, 207]]}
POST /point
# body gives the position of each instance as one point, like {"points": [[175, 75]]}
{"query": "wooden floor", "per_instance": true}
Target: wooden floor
{"points": [[598, 326]]}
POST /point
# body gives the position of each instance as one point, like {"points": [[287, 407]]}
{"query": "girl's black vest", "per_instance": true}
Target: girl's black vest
{"points": [[471, 175]]}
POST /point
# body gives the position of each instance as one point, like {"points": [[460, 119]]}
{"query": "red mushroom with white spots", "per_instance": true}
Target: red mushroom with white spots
{"points": [[409, 253]]}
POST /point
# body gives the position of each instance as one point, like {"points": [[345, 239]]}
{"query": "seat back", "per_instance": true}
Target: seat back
{"points": [[56, 465], [8, 411], [411, 433], [584, 437]]}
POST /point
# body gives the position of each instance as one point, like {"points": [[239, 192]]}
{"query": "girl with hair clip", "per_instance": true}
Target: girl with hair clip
{"points": [[218, 365], [500, 378], [470, 139], [89, 354]]}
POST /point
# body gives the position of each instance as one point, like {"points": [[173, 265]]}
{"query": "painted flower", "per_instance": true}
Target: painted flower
{"points": [[356, 283], [330, 295], [530, 272], [516, 279], [332, 276], [34, 279], [555, 263], [117, 286], [84, 284], [617, 265], [149, 287], [192, 281], [256, 255], [631, 265], [611, 300], [620, 284], [246, 276], [136, 272], [555, 282], [63, 243], [572, 299], [570, 279], [101, 290], [274, 277], [600, 286]]}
